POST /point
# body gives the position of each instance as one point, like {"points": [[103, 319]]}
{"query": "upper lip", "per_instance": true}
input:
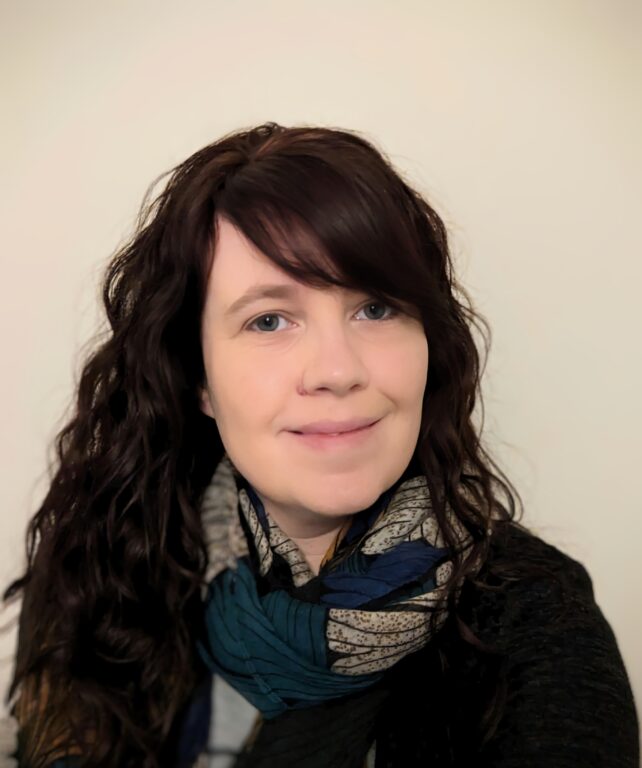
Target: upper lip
{"points": [[331, 427]]}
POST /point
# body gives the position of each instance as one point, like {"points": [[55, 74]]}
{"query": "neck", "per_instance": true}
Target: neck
{"points": [[314, 548], [313, 538]]}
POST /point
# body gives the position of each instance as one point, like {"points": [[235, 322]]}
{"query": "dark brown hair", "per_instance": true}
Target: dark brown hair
{"points": [[115, 553]]}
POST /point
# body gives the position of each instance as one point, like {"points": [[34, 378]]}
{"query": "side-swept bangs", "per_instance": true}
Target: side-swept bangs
{"points": [[338, 220]]}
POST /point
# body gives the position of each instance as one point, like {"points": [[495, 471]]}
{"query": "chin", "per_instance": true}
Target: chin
{"points": [[332, 500]]}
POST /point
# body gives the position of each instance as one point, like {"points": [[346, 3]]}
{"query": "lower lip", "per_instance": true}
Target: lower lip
{"points": [[343, 439]]}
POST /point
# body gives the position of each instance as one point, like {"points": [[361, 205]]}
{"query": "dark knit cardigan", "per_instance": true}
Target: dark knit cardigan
{"points": [[565, 698], [561, 694]]}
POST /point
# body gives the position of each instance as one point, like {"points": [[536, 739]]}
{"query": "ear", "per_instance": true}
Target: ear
{"points": [[204, 402]]}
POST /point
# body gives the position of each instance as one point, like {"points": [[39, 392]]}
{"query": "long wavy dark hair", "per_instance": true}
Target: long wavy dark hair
{"points": [[116, 557]]}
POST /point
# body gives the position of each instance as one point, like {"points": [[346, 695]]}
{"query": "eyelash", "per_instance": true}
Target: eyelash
{"points": [[394, 311]]}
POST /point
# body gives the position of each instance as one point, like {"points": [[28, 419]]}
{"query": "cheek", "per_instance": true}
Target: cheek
{"points": [[403, 370], [245, 387]]}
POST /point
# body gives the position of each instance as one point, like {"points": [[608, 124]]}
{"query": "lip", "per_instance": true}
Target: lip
{"points": [[330, 441], [329, 427]]}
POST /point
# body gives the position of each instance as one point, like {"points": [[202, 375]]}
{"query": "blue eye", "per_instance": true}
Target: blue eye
{"points": [[375, 303], [274, 316], [263, 317]]}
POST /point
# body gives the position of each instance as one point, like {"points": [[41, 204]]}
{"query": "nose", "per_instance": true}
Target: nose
{"points": [[332, 361]]}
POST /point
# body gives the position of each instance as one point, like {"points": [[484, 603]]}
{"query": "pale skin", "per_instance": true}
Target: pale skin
{"points": [[318, 354]]}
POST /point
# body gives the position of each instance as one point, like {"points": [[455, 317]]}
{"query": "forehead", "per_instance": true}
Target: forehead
{"points": [[237, 265], [236, 260]]}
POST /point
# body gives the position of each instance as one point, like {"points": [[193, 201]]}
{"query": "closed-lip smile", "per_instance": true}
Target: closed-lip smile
{"points": [[328, 427]]}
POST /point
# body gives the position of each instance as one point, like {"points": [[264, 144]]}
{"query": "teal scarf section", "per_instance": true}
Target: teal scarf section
{"points": [[286, 638]]}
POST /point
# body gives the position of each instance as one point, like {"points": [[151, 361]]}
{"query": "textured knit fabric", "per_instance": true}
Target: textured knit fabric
{"points": [[566, 699]]}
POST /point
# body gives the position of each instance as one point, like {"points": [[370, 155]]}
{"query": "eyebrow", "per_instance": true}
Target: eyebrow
{"points": [[261, 291]]}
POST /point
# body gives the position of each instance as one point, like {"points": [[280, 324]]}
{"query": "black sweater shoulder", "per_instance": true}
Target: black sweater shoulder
{"points": [[543, 684]]}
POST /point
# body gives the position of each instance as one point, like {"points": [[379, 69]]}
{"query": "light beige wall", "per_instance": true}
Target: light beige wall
{"points": [[520, 120]]}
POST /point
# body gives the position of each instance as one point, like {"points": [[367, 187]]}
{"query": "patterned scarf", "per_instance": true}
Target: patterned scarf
{"points": [[287, 639]]}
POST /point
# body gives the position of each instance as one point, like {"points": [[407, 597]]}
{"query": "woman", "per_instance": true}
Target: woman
{"points": [[272, 496]]}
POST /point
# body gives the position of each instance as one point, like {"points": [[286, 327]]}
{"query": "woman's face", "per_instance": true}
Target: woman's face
{"points": [[275, 365]]}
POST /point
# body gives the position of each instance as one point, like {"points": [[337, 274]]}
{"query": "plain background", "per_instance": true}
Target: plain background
{"points": [[520, 121]]}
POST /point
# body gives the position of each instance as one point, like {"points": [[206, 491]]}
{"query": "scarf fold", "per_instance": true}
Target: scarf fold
{"points": [[287, 639]]}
